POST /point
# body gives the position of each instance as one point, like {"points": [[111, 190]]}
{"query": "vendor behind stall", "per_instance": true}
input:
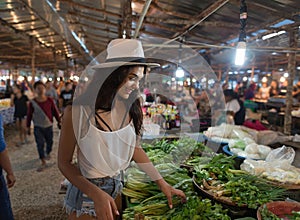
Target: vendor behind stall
{"points": [[264, 92], [234, 106], [296, 91]]}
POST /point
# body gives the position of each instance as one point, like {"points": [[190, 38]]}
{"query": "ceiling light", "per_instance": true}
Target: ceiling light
{"points": [[265, 37], [240, 53], [282, 79], [179, 72], [241, 45]]}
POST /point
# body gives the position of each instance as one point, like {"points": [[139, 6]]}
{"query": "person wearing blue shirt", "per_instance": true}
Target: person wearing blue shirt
{"points": [[5, 206]]}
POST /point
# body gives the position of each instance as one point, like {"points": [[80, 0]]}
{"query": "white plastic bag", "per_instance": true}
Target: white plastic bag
{"points": [[281, 154]]}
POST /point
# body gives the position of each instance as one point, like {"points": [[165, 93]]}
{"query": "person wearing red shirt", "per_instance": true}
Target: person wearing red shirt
{"points": [[41, 110]]}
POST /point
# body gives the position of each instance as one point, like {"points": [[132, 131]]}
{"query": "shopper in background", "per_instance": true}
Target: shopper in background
{"points": [[240, 89], [27, 88], [5, 206], [250, 92], [20, 102], [283, 88], [112, 121], [296, 91], [66, 96], [274, 88], [51, 91], [41, 110], [8, 89]]}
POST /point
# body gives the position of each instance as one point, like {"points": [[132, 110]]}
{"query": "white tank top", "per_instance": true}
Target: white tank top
{"points": [[103, 153]]}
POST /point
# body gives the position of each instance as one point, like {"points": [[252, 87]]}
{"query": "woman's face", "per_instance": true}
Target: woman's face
{"points": [[132, 82]]}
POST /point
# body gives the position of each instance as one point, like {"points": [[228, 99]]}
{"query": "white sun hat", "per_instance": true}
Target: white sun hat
{"points": [[126, 52]]}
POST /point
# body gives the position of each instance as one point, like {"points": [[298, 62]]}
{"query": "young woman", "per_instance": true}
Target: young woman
{"points": [[20, 102], [105, 122]]}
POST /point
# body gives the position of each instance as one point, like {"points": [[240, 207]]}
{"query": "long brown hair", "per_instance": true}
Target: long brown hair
{"points": [[111, 80]]}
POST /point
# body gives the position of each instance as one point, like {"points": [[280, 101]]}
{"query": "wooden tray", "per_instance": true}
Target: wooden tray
{"points": [[206, 193], [234, 211]]}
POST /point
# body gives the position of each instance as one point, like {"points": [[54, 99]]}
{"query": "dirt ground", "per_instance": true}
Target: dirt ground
{"points": [[35, 195]]}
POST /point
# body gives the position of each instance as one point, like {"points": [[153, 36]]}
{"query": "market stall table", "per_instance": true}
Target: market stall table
{"points": [[7, 114]]}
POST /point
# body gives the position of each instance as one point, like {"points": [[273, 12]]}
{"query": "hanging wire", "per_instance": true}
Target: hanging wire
{"points": [[243, 20]]}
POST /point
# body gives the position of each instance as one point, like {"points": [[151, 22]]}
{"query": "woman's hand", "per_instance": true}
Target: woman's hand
{"points": [[105, 206], [169, 191]]}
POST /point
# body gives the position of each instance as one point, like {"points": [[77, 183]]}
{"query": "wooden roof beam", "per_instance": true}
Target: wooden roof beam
{"points": [[93, 27], [24, 21], [81, 6], [80, 15], [15, 57], [156, 6], [125, 25], [195, 21], [174, 21]]}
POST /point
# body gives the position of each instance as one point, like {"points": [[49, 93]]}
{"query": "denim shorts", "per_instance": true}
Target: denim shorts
{"points": [[76, 201]]}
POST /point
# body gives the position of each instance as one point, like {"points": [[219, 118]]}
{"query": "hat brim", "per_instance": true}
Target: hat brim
{"points": [[120, 63]]}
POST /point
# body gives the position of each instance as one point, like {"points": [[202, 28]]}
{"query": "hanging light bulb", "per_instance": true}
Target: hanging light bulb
{"points": [[241, 45], [240, 53], [179, 72]]}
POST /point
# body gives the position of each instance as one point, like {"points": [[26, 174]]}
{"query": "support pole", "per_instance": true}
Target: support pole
{"points": [[55, 65], [292, 71], [141, 20], [252, 73], [66, 73], [126, 24], [220, 74], [33, 61]]}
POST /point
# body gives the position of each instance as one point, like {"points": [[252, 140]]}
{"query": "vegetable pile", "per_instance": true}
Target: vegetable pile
{"points": [[146, 201], [219, 178]]}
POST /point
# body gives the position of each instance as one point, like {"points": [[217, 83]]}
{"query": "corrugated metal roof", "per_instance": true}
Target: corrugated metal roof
{"points": [[80, 29]]}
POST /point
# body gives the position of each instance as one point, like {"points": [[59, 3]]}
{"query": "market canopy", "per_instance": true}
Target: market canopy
{"points": [[57, 34]]}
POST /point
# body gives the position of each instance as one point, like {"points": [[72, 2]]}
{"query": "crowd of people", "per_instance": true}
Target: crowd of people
{"points": [[107, 129], [210, 103], [39, 102]]}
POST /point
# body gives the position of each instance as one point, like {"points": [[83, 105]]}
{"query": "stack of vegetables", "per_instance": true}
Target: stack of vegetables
{"points": [[146, 201], [219, 178]]}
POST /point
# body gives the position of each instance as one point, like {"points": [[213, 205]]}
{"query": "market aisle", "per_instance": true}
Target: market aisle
{"points": [[35, 194]]}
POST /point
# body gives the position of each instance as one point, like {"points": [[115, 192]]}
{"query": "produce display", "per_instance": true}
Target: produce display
{"points": [[277, 167], [248, 149], [4, 103], [215, 174], [220, 179], [280, 210], [146, 201], [281, 172]]}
